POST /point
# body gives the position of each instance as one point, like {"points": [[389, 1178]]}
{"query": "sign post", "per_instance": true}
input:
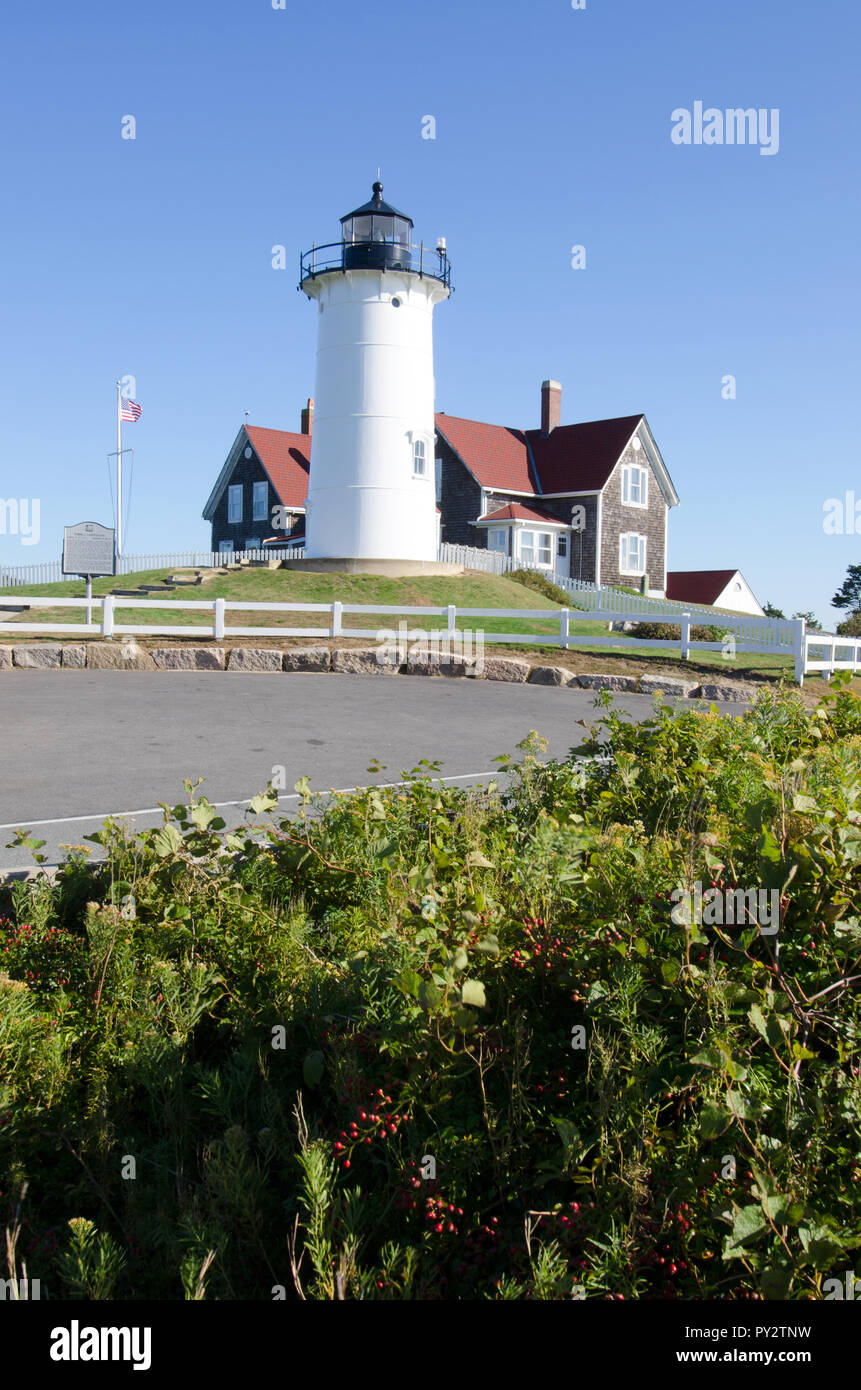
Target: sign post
{"points": [[88, 551]]}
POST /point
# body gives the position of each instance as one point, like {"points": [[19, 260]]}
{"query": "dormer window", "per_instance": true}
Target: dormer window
{"points": [[635, 486]]}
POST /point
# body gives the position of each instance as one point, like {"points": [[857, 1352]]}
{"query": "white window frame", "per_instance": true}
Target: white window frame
{"points": [[420, 458], [537, 549], [627, 478], [234, 503], [226, 547], [499, 532], [253, 543], [562, 539], [260, 501], [625, 553]]}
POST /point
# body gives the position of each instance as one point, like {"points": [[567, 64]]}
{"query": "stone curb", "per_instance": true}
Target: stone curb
{"points": [[189, 658], [359, 661]]}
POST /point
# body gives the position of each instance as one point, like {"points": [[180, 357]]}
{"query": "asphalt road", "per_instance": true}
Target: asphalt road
{"points": [[79, 746]]}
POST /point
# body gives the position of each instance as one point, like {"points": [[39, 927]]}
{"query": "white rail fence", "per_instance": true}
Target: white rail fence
{"points": [[618, 605], [827, 653], [787, 638], [615, 604]]}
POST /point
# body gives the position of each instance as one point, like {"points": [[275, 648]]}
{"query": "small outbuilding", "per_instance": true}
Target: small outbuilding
{"points": [[718, 588]]}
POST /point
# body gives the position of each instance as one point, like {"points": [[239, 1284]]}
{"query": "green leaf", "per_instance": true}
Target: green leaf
{"points": [[259, 804], [488, 946], [713, 1121], [738, 1105], [757, 1018], [473, 993], [670, 971], [429, 995], [465, 1020], [385, 849], [167, 841], [313, 1068], [476, 860], [768, 847], [713, 1057], [409, 982], [774, 1283], [748, 1223]]}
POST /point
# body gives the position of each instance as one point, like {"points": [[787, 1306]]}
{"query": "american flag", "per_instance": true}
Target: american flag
{"points": [[130, 410]]}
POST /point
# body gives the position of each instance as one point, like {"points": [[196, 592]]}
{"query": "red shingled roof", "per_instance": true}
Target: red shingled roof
{"points": [[286, 458], [697, 586], [496, 455], [572, 458], [513, 511], [578, 458]]}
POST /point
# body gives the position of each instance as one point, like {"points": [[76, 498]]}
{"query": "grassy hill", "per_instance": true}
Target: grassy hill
{"points": [[468, 590]]}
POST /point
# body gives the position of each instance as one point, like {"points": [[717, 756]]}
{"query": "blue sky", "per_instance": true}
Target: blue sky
{"points": [[257, 127]]}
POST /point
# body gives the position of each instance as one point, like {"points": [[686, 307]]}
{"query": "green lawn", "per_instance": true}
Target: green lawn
{"points": [[469, 590], [294, 586]]}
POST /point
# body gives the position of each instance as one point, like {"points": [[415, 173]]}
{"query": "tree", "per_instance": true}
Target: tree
{"points": [[771, 612], [812, 622], [851, 627], [849, 595]]}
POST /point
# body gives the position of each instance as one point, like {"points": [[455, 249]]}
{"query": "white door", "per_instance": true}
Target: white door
{"points": [[563, 554]]}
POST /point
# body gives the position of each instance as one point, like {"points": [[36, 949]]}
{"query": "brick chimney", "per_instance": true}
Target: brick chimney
{"points": [[551, 405], [308, 416]]}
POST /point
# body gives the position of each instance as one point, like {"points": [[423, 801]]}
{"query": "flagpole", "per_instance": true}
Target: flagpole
{"points": [[119, 474]]}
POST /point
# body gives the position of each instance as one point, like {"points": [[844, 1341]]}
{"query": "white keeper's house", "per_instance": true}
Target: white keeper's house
{"points": [[375, 474]]}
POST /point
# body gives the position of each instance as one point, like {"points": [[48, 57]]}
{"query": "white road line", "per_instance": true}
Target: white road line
{"points": [[219, 805]]}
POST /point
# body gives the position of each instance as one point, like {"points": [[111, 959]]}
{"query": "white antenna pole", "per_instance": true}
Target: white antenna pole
{"points": [[119, 474]]}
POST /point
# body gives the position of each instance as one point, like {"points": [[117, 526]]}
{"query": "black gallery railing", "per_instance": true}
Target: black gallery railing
{"points": [[375, 255]]}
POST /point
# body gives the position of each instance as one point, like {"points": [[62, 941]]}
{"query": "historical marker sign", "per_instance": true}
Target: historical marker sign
{"points": [[89, 549]]}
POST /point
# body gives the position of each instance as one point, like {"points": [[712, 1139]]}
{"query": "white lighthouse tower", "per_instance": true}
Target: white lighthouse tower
{"points": [[371, 493]]}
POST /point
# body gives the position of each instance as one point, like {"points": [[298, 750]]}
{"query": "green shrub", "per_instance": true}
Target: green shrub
{"points": [[429, 1042], [672, 632], [534, 579]]}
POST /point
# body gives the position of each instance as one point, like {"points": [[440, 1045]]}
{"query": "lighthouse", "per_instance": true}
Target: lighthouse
{"points": [[371, 493]]}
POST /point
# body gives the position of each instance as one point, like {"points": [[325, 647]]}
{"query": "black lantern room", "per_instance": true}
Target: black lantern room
{"points": [[376, 236]]}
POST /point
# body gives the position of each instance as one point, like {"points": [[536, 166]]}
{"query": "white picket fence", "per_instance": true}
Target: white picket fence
{"points": [[810, 652], [741, 634], [51, 572]]}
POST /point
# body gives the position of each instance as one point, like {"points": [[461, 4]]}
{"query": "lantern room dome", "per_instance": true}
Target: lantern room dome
{"points": [[377, 236], [378, 207]]}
